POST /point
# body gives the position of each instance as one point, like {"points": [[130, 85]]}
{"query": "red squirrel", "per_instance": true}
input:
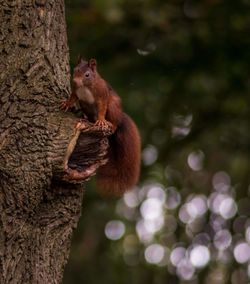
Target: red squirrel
{"points": [[102, 106]]}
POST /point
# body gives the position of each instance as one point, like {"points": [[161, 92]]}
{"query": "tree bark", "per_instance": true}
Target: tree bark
{"points": [[38, 210]]}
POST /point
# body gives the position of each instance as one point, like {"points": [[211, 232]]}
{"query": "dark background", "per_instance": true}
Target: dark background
{"points": [[182, 71]]}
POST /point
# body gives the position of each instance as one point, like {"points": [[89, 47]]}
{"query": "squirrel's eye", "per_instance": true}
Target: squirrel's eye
{"points": [[87, 74]]}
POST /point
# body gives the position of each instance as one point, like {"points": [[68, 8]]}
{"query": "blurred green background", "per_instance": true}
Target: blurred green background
{"points": [[182, 71]]}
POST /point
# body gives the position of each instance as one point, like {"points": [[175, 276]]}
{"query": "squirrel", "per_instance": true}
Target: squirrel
{"points": [[102, 106]]}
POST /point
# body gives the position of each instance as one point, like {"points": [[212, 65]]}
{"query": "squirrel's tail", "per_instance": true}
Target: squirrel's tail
{"points": [[123, 168]]}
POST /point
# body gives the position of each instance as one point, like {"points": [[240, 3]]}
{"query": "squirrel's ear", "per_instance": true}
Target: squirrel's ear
{"points": [[79, 59], [92, 64]]}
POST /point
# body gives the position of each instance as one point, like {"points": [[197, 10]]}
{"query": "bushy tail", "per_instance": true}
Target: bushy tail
{"points": [[123, 168]]}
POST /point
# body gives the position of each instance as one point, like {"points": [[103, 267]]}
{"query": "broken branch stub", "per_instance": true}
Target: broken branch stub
{"points": [[86, 152]]}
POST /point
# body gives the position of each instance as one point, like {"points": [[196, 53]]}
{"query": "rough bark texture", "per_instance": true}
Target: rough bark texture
{"points": [[38, 212]]}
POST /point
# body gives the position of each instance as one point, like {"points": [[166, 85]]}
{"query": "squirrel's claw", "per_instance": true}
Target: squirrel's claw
{"points": [[65, 105], [102, 124]]}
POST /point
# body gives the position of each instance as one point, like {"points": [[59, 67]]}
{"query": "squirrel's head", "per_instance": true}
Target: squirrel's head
{"points": [[84, 72]]}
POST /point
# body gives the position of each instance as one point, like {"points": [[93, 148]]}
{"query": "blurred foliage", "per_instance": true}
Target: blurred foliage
{"points": [[182, 70]]}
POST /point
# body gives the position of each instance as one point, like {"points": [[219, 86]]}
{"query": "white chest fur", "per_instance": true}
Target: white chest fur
{"points": [[84, 94]]}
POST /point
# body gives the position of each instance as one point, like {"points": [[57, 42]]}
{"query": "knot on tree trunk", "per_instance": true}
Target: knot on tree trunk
{"points": [[86, 152]]}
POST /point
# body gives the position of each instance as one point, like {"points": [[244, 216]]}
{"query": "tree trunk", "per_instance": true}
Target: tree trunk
{"points": [[38, 209]]}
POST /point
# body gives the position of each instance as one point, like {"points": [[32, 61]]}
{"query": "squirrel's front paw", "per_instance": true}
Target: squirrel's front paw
{"points": [[65, 105], [102, 124]]}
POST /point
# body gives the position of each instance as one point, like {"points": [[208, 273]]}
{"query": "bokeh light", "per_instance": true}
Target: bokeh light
{"points": [[222, 239], [177, 255], [149, 155], [185, 269], [199, 256], [196, 160], [228, 208], [154, 253], [247, 235], [151, 208], [206, 220], [221, 181], [131, 199], [158, 193], [173, 199], [242, 252], [114, 230]]}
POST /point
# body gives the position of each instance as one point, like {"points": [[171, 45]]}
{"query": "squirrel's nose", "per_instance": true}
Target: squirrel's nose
{"points": [[77, 80]]}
